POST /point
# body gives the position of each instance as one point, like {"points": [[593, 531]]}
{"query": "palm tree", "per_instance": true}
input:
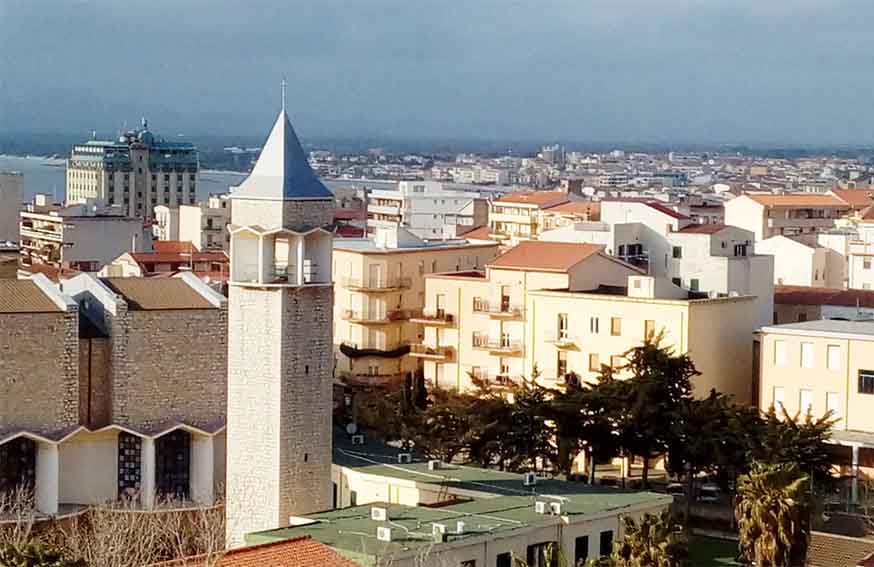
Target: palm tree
{"points": [[655, 541], [771, 513]]}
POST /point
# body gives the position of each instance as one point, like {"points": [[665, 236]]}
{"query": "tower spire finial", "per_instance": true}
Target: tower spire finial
{"points": [[284, 84]]}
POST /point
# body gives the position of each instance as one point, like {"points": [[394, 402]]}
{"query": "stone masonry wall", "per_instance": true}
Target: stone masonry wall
{"points": [[39, 371], [307, 359], [287, 214], [169, 365]]}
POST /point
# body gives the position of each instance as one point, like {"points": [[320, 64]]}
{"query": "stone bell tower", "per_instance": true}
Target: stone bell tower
{"points": [[280, 309]]}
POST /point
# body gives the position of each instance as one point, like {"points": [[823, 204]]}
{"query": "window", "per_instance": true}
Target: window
{"points": [[833, 404], [866, 381], [606, 544], [562, 326], [677, 282], [504, 560], [805, 401], [779, 397], [539, 555], [561, 364], [648, 329], [693, 284], [594, 363], [479, 304], [615, 326], [806, 355], [866, 264], [615, 361], [739, 249], [469, 563], [581, 550], [593, 324], [678, 251], [802, 317], [833, 357], [781, 353]]}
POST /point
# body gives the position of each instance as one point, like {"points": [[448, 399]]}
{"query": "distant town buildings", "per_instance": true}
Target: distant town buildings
{"points": [[58, 240], [203, 224], [11, 198], [425, 209], [136, 172]]}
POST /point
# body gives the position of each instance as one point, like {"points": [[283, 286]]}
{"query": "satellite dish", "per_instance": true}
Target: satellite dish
{"points": [[352, 428]]}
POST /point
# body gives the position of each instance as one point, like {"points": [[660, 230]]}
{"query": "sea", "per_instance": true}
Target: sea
{"points": [[48, 175]]}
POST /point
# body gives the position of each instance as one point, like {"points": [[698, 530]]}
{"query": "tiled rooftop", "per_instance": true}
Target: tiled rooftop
{"points": [[24, 296], [545, 256], [146, 294]]}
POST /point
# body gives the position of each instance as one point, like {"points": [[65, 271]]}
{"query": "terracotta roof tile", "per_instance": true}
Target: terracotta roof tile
{"points": [[545, 256], [297, 552], [24, 296], [827, 550], [712, 228], [856, 198], [804, 295], [543, 199], [174, 246], [146, 294], [796, 200], [589, 208]]}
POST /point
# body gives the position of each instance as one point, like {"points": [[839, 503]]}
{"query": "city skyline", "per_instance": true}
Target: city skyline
{"points": [[690, 72]]}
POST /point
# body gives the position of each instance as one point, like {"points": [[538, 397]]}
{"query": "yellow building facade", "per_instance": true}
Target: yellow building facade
{"points": [[378, 301]]}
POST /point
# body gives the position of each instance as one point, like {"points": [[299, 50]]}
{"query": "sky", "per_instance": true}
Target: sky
{"points": [[792, 72]]}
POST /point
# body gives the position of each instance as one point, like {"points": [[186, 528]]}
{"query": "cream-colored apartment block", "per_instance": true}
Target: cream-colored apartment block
{"points": [[571, 308], [379, 295], [517, 217], [824, 366]]}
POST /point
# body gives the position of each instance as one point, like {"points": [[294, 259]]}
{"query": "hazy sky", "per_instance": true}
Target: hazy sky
{"points": [[736, 71]]}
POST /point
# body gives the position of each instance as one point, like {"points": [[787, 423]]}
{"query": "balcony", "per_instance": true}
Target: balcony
{"points": [[31, 231], [437, 354], [499, 310], [496, 380], [361, 349], [377, 318], [394, 210], [502, 347], [370, 379], [381, 285], [562, 340], [434, 318]]}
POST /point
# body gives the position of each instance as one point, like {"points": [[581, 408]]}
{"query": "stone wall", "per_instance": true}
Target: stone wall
{"points": [[39, 371], [287, 214], [169, 365]]}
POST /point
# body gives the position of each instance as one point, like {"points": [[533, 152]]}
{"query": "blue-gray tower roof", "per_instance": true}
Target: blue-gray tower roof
{"points": [[282, 171]]}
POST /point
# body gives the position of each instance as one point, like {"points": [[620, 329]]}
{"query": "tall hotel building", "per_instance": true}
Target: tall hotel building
{"points": [[136, 172]]}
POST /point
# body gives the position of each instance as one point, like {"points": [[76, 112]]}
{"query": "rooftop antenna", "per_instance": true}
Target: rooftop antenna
{"points": [[284, 84]]}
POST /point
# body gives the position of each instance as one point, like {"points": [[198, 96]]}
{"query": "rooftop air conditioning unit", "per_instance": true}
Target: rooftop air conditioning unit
{"points": [[733, 294], [404, 458], [434, 465], [540, 507], [530, 479], [438, 531], [378, 514], [383, 533], [358, 439], [555, 508], [459, 527]]}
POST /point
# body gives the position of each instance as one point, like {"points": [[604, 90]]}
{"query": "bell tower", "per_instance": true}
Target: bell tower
{"points": [[280, 322]]}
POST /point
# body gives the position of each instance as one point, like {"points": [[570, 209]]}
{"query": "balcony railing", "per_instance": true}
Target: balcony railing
{"points": [[436, 353], [502, 346], [562, 340], [499, 309], [434, 318], [371, 317], [496, 379], [370, 379], [375, 285]]}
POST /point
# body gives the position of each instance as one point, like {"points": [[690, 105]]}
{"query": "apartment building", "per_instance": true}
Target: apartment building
{"points": [[205, 224], [796, 304], [380, 294], [566, 308], [824, 366], [517, 217], [710, 258], [787, 214], [11, 197], [425, 209], [107, 392], [171, 257], [136, 172], [55, 239], [803, 262], [569, 213], [166, 223]]}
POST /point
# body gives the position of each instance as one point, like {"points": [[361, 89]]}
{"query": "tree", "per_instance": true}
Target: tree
{"points": [[35, 554], [660, 382], [655, 541], [791, 439], [771, 513]]}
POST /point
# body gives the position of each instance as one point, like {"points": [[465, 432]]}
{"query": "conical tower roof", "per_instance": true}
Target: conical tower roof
{"points": [[282, 171]]}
